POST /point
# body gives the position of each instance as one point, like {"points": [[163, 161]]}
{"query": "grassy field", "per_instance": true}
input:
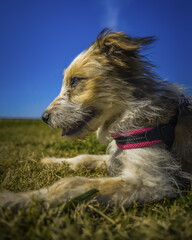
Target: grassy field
{"points": [[23, 143]]}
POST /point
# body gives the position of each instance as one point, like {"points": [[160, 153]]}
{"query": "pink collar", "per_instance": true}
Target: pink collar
{"points": [[137, 138]]}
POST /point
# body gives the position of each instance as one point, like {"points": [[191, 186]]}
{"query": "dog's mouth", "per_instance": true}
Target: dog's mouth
{"points": [[76, 127]]}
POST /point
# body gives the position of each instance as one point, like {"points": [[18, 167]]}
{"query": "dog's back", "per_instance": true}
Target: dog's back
{"points": [[182, 146]]}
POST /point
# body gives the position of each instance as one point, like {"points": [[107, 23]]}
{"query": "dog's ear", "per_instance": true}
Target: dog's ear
{"points": [[115, 43]]}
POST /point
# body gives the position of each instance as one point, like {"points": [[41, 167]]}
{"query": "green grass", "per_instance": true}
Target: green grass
{"points": [[23, 143]]}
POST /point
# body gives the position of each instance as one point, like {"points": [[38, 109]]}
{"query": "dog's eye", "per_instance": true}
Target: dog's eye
{"points": [[75, 81]]}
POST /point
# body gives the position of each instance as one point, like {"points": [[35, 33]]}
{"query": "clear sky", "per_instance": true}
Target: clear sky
{"points": [[39, 38]]}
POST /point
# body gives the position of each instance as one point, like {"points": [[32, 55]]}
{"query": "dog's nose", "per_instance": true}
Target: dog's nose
{"points": [[45, 117]]}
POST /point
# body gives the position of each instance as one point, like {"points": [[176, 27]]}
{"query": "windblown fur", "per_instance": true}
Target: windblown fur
{"points": [[111, 88]]}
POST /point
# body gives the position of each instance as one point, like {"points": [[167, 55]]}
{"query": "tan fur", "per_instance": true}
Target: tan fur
{"points": [[116, 91]]}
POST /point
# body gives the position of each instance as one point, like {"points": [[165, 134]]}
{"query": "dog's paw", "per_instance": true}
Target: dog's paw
{"points": [[49, 160], [52, 160], [13, 200], [4, 198]]}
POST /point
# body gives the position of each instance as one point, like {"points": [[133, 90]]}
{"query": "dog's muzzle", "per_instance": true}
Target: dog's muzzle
{"points": [[45, 117]]}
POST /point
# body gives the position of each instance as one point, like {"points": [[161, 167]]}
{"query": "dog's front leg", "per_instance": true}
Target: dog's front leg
{"points": [[112, 190], [86, 160], [63, 191]]}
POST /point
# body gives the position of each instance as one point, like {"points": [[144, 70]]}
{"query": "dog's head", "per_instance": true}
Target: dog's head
{"points": [[97, 84]]}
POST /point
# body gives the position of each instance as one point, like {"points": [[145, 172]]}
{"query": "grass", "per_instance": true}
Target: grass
{"points": [[23, 143]]}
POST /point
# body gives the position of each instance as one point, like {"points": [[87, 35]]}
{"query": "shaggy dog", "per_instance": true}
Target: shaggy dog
{"points": [[111, 88]]}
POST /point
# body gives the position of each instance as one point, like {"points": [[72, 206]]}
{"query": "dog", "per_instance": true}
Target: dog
{"points": [[111, 88]]}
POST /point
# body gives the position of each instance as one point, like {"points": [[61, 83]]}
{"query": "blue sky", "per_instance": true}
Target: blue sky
{"points": [[39, 38]]}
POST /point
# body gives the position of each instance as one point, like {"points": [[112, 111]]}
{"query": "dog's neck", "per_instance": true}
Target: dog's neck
{"points": [[128, 136], [143, 115], [139, 116]]}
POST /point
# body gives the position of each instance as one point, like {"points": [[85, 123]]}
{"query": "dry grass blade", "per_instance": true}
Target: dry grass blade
{"points": [[102, 214]]}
